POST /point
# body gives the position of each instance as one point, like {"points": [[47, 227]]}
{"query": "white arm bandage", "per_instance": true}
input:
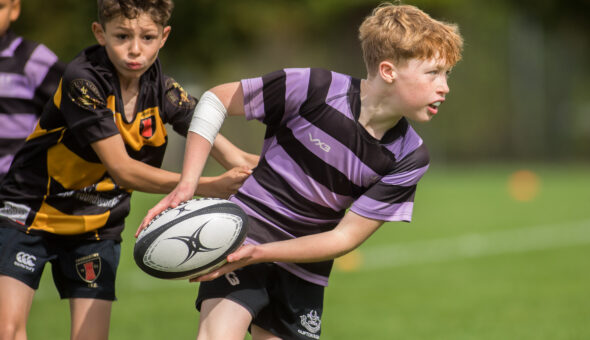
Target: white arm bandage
{"points": [[208, 116]]}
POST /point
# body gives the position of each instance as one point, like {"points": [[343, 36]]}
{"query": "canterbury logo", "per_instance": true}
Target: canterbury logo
{"points": [[319, 143], [25, 261]]}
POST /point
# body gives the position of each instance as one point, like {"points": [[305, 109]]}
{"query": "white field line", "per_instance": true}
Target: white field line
{"points": [[476, 245], [415, 253]]}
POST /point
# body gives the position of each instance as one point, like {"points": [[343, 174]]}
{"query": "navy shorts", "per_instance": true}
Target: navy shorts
{"points": [[81, 269], [279, 301]]}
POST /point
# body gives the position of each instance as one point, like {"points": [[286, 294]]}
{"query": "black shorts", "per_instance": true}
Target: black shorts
{"points": [[81, 269], [279, 301]]}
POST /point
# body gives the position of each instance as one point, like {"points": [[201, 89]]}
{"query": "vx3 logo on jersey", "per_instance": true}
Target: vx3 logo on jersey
{"points": [[319, 143]]}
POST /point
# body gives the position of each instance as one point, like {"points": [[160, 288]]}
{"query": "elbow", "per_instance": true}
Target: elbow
{"points": [[121, 179], [121, 175]]}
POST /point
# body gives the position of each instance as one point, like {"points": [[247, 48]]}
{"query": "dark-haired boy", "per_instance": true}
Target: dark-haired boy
{"points": [[66, 195]]}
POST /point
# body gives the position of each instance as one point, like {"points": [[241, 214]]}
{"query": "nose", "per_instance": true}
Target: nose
{"points": [[444, 86], [134, 48]]}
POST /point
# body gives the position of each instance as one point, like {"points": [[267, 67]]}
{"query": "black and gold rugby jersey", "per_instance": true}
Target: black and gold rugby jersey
{"points": [[57, 183]]}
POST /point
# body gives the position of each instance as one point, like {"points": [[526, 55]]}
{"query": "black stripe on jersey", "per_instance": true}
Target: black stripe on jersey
{"points": [[284, 193], [81, 150], [274, 92], [317, 91], [152, 155], [10, 146], [315, 167], [385, 193], [296, 228], [17, 106], [47, 88], [415, 160], [321, 268], [23, 53]]}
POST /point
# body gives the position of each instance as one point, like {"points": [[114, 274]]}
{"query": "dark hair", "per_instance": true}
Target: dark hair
{"points": [[159, 10]]}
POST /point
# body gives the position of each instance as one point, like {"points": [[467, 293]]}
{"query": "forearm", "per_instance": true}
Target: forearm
{"points": [[305, 249], [229, 155], [350, 233], [195, 156], [143, 177]]}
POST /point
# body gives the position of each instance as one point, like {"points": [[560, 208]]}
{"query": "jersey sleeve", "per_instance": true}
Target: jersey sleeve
{"points": [[392, 197], [277, 96], [84, 106], [178, 106]]}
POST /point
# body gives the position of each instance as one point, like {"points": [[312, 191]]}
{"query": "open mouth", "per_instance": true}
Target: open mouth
{"points": [[435, 105]]}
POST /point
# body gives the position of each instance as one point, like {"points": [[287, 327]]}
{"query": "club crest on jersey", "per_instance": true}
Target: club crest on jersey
{"points": [[147, 127], [178, 96], [89, 268], [85, 94]]}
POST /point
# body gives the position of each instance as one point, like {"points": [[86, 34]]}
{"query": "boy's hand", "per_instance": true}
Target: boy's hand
{"points": [[172, 200], [226, 184], [238, 259]]}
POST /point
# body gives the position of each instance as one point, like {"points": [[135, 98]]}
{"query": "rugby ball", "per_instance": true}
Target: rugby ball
{"points": [[191, 239]]}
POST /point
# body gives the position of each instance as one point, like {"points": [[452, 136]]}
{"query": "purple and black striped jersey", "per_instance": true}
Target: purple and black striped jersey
{"points": [[29, 74], [317, 161], [57, 183]]}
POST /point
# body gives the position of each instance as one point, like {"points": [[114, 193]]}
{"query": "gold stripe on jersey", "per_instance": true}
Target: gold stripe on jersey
{"points": [[111, 103], [39, 131], [71, 171], [54, 221], [57, 95], [106, 184], [132, 132]]}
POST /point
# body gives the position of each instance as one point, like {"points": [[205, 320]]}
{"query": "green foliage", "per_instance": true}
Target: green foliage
{"points": [[519, 93]]}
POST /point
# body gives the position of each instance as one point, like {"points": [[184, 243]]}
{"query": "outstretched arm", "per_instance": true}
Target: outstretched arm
{"points": [[133, 174], [198, 145], [350, 233]]}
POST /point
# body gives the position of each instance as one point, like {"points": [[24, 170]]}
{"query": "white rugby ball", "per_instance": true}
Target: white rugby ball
{"points": [[191, 239]]}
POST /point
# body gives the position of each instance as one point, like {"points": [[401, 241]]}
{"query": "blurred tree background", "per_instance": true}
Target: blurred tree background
{"points": [[521, 92]]}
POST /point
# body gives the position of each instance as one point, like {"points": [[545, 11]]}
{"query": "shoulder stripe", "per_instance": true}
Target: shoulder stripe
{"points": [[274, 89], [39, 64], [338, 95]]}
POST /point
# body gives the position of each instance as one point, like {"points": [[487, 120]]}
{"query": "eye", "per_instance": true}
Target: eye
{"points": [[149, 37], [121, 36]]}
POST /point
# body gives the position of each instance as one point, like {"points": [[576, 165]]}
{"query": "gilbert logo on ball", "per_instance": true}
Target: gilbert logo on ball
{"points": [[191, 239]]}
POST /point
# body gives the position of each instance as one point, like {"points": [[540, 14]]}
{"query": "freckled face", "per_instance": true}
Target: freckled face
{"points": [[131, 44]]}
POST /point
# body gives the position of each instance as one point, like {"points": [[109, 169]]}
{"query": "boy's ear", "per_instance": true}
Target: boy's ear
{"points": [[165, 35], [15, 10], [387, 71], [98, 31]]}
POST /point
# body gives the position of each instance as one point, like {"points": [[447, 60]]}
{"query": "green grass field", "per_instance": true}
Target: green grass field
{"points": [[475, 263]]}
